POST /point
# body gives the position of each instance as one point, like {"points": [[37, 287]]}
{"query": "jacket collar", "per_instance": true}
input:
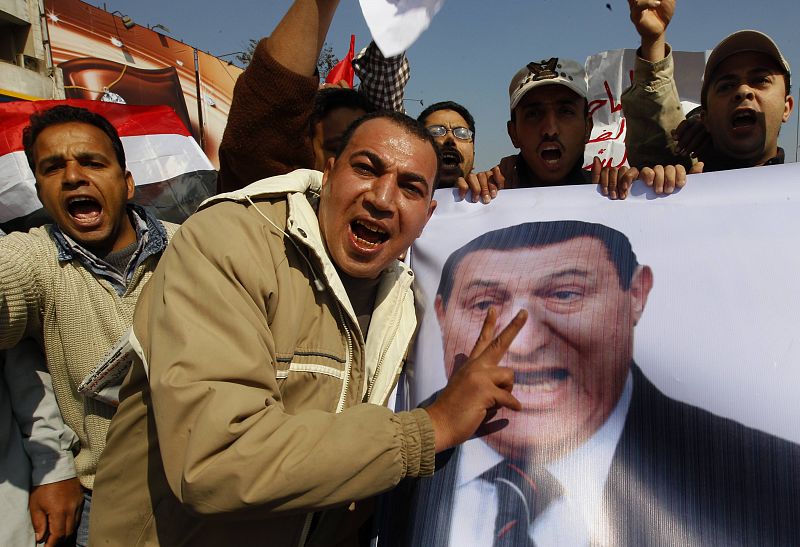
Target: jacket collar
{"points": [[300, 181], [151, 237]]}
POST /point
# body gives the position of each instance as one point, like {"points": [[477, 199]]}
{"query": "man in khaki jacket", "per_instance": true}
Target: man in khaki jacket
{"points": [[271, 337], [745, 98]]}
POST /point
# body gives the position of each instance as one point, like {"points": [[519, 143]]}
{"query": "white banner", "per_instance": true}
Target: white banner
{"points": [[657, 371]]}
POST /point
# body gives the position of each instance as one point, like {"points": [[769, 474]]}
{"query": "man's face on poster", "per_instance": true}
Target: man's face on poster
{"points": [[572, 357]]}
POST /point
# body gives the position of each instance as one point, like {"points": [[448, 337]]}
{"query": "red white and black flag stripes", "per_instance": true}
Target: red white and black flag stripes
{"points": [[171, 172]]}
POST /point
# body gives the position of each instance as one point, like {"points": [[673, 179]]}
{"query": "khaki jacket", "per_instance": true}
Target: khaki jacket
{"points": [[653, 110], [258, 402]]}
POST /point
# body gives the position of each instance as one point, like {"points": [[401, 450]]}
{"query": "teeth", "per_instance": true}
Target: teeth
{"points": [[539, 387], [366, 243], [78, 199], [375, 229]]}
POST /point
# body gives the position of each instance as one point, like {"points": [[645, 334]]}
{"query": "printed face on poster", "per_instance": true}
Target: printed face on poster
{"points": [[656, 370]]}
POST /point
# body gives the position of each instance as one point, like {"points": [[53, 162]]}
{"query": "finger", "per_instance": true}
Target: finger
{"points": [[503, 398], [486, 334], [39, 522], [668, 181], [684, 134], [459, 361], [597, 167], [57, 528], [658, 178], [474, 187], [697, 168], [696, 141], [73, 520], [499, 345], [638, 6], [508, 167], [630, 175], [463, 187], [611, 174], [678, 182], [498, 179], [605, 182], [648, 176], [502, 377], [682, 128], [483, 180]]}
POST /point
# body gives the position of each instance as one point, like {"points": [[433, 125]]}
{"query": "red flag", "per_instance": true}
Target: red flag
{"points": [[344, 68], [171, 172]]}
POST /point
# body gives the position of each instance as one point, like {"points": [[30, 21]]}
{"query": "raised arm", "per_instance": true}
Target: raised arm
{"points": [[383, 79], [652, 105], [298, 39], [651, 18], [267, 131]]}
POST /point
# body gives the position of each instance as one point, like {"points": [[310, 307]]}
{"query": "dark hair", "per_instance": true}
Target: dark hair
{"points": [[405, 122], [540, 234], [449, 105], [39, 121], [331, 98]]}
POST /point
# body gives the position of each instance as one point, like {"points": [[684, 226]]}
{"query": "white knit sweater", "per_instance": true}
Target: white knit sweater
{"points": [[77, 317]]}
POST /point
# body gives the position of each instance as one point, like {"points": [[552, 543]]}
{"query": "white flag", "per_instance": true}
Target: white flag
{"points": [[396, 24]]}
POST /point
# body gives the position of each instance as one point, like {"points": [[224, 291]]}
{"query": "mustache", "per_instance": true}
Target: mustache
{"points": [[553, 139]]}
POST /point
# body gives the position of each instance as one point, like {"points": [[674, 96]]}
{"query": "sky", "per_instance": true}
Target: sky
{"points": [[474, 47]]}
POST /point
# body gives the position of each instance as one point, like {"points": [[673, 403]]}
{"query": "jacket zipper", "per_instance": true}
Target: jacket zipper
{"points": [[306, 529], [393, 332], [348, 364]]}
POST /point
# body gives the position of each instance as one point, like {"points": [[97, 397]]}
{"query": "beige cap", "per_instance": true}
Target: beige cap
{"points": [[556, 71], [739, 42]]}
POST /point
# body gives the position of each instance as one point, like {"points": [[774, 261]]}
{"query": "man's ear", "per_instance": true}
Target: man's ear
{"points": [[589, 127], [431, 209], [787, 109], [130, 184], [438, 305], [328, 168], [641, 283], [511, 127]]}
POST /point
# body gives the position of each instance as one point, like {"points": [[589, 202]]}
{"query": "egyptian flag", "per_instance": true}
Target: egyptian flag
{"points": [[344, 68], [171, 172]]}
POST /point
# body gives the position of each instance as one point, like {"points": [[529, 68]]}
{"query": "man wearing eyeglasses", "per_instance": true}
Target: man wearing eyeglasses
{"points": [[453, 128]]}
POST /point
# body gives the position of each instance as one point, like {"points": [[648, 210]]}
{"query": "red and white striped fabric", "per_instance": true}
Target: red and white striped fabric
{"points": [[171, 172]]}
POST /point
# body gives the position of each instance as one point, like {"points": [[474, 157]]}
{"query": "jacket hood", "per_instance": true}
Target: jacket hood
{"points": [[298, 181]]}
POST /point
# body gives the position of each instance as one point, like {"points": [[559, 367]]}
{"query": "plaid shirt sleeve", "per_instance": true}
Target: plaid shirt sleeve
{"points": [[383, 80]]}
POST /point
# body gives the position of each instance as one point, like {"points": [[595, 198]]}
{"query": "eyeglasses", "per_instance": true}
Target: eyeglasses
{"points": [[461, 133]]}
